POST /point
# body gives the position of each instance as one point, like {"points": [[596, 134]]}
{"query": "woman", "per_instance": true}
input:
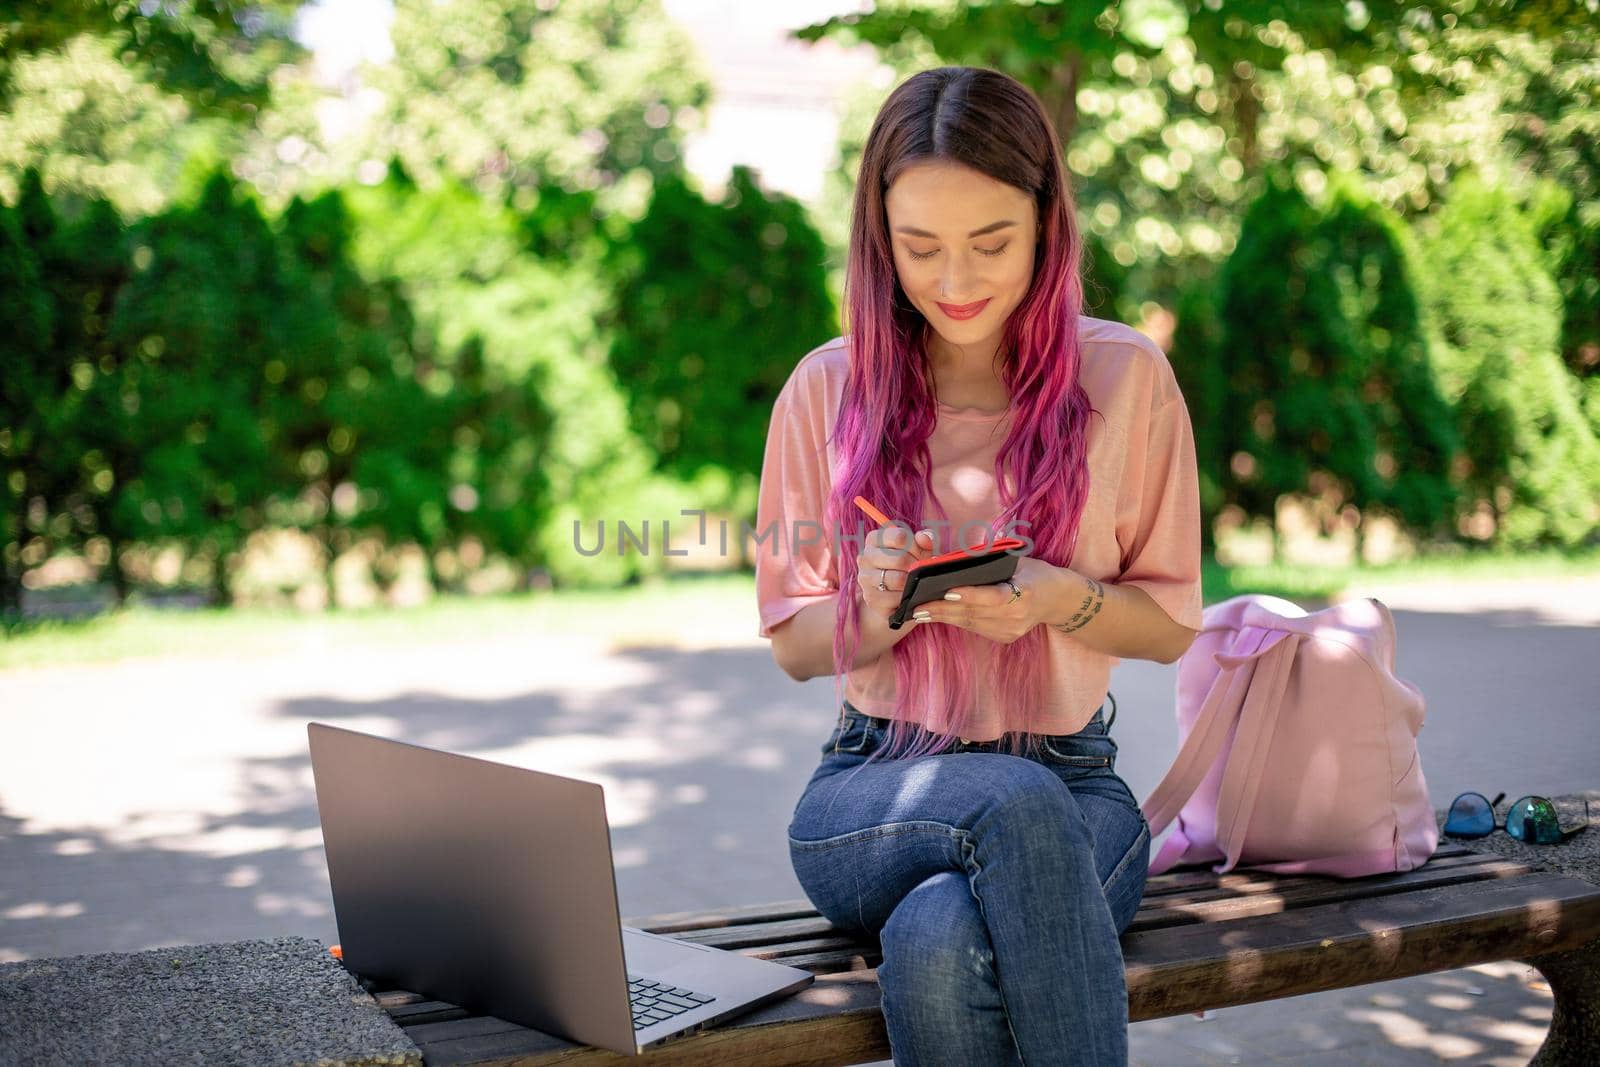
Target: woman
{"points": [[967, 809]]}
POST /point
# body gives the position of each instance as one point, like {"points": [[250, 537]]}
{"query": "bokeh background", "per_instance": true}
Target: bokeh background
{"points": [[381, 319]]}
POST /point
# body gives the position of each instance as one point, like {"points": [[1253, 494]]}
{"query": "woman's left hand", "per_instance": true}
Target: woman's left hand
{"points": [[992, 611]]}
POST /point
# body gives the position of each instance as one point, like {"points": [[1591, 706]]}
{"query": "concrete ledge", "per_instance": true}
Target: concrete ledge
{"points": [[258, 1003], [1578, 855]]}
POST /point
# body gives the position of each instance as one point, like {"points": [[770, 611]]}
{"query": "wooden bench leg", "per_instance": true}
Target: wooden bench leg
{"points": [[1574, 979]]}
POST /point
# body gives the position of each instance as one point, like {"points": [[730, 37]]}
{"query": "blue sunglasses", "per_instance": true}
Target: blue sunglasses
{"points": [[1531, 819]]}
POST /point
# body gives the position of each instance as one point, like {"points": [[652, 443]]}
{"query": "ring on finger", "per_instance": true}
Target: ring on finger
{"points": [[883, 585]]}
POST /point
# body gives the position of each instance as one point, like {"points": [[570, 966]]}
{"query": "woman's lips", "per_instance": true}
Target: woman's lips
{"points": [[963, 311]]}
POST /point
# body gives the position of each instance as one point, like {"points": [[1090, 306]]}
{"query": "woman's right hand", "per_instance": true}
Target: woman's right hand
{"points": [[888, 555]]}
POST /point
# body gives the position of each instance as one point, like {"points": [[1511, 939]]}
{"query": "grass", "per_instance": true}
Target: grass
{"points": [[661, 611], [1324, 582], [652, 612]]}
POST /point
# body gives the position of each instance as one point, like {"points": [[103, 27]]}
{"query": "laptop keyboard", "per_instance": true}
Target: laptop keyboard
{"points": [[655, 1002]]}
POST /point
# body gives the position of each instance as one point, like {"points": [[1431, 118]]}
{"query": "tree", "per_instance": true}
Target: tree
{"points": [[720, 302], [1533, 462], [506, 95], [545, 440], [199, 325], [1169, 110], [32, 382], [355, 427], [1326, 364], [85, 262], [216, 54]]}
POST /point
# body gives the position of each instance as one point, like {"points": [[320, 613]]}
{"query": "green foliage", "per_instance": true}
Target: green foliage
{"points": [[1326, 363], [211, 374], [1534, 458], [1391, 392], [1105, 281], [1197, 362], [130, 102], [1568, 232], [198, 327], [216, 54], [1169, 109], [356, 423], [32, 380], [92, 127], [547, 443], [85, 263], [358, 358], [508, 94], [715, 304]]}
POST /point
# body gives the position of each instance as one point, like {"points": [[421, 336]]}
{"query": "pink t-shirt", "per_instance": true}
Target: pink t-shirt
{"points": [[1140, 526]]}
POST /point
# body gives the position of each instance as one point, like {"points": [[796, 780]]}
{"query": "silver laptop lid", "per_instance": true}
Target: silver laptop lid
{"points": [[475, 882]]}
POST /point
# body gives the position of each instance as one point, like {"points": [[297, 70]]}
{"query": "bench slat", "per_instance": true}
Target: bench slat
{"points": [[755, 925], [1333, 946], [1170, 882], [425, 1011], [1218, 906], [1247, 881], [673, 922], [824, 954], [1208, 904]]}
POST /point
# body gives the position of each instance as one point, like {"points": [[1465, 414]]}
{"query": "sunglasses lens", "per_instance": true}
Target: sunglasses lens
{"points": [[1470, 816], [1533, 819]]}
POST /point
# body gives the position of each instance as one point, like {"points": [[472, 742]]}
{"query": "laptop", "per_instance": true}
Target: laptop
{"points": [[491, 887]]}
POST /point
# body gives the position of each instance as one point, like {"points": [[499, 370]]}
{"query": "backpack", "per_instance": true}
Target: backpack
{"points": [[1299, 745]]}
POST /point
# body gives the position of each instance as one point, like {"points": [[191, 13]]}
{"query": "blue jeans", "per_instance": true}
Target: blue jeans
{"points": [[997, 886]]}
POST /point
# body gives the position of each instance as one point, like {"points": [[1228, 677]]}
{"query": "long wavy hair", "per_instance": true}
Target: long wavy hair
{"points": [[990, 122]]}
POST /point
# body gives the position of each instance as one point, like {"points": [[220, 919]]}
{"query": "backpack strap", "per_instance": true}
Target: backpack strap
{"points": [[1171, 850], [1247, 759], [1206, 737]]}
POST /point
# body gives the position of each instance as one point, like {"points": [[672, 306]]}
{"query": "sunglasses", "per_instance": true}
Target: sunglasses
{"points": [[1531, 819]]}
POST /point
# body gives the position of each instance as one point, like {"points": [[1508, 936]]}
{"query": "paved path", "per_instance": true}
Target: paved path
{"points": [[163, 802]]}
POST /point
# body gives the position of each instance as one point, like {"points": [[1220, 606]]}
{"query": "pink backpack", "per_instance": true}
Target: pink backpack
{"points": [[1299, 751]]}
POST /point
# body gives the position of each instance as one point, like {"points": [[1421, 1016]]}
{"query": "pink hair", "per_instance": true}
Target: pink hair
{"points": [[988, 121]]}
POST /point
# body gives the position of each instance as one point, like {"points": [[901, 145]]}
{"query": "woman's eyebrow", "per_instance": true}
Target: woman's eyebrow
{"points": [[913, 231]]}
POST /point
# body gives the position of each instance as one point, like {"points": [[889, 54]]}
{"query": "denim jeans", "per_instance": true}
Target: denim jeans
{"points": [[997, 886]]}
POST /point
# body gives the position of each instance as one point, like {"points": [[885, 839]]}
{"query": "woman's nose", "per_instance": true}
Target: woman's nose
{"points": [[955, 281]]}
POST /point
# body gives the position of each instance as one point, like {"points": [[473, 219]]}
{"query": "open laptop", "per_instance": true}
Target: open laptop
{"points": [[491, 887]]}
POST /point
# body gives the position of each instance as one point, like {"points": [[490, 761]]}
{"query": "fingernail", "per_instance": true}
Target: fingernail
{"points": [[952, 596], [922, 616]]}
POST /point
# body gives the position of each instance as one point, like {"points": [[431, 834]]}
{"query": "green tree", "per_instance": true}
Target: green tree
{"points": [[1169, 109], [30, 387], [131, 102], [1533, 459], [215, 54], [506, 95], [1197, 357], [86, 262], [356, 426], [546, 441], [199, 324], [717, 304], [1326, 363]]}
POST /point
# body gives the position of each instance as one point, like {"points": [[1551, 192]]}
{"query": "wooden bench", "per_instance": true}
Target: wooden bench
{"points": [[1199, 941]]}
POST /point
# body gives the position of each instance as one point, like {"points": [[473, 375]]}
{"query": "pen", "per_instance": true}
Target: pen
{"points": [[877, 516]]}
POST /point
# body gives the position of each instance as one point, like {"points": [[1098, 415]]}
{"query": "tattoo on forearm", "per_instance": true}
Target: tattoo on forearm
{"points": [[1087, 610]]}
